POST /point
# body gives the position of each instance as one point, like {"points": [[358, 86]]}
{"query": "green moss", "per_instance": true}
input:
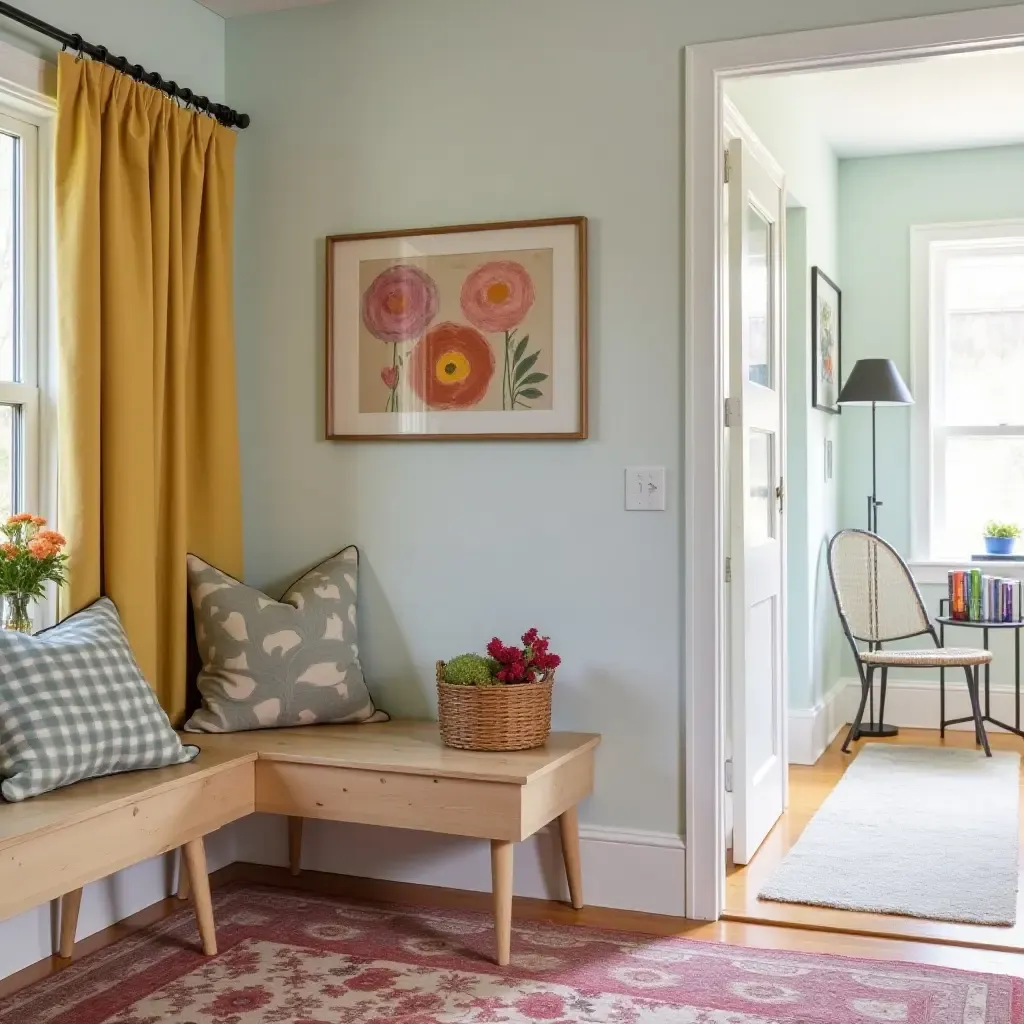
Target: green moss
{"points": [[469, 670]]}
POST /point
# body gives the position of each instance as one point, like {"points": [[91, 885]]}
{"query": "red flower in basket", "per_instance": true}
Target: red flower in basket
{"points": [[527, 664]]}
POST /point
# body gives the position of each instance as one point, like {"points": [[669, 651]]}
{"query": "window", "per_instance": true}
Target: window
{"points": [[19, 347], [968, 455]]}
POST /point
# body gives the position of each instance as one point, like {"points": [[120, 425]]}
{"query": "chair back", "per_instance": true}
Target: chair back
{"points": [[876, 595]]}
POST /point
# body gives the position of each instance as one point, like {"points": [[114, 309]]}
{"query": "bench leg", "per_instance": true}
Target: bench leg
{"points": [[295, 845], [569, 829], [195, 858], [70, 904], [183, 886], [501, 884]]}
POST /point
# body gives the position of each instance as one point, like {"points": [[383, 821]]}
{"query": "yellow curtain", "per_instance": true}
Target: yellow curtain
{"points": [[148, 426]]}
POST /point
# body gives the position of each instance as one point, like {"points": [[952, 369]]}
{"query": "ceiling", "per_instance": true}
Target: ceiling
{"points": [[233, 8], [960, 101]]}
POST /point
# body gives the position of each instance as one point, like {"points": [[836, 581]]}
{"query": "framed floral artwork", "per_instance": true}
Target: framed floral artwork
{"points": [[826, 342], [471, 331]]}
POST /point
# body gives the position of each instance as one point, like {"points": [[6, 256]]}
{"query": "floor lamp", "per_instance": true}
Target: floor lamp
{"points": [[875, 382]]}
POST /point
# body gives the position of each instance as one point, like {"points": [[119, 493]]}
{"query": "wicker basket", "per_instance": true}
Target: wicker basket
{"points": [[494, 717]]}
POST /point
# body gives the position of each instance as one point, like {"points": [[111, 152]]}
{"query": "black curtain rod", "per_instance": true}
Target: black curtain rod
{"points": [[225, 115]]}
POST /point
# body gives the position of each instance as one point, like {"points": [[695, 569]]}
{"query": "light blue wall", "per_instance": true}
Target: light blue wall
{"points": [[375, 114], [775, 110], [879, 200], [180, 39]]}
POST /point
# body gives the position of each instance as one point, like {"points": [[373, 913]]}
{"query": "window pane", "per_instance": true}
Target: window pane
{"points": [[985, 338], [757, 300], [9, 285], [985, 368], [8, 421], [984, 479], [985, 281]]}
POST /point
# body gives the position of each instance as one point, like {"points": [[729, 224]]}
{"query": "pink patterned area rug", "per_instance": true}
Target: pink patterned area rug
{"points": [[294, 958]]}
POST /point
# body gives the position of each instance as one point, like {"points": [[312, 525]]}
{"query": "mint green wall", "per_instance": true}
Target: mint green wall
{"points": [[375, 114], [879, 199], [775, 110], [181, 39]]}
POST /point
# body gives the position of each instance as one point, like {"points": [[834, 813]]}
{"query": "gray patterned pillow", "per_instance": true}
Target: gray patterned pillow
{"points": [[271, 664], [74, 705]]}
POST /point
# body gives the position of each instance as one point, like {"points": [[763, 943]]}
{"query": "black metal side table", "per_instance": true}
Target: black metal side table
{"points": [[945, 620]]}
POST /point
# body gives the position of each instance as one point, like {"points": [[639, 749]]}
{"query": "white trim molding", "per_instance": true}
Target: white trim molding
{"points": [[914, 703], [706, 67], [811, 730], [623, 869]]}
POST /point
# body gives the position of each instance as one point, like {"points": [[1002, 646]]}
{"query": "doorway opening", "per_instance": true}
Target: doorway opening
{"points": [[771, 726]]}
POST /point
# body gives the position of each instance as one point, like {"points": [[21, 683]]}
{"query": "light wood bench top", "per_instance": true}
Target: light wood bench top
{"points": [[34, 818], [407, 748]]}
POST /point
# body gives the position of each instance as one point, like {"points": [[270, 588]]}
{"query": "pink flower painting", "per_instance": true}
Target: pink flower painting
{"points": [[399, 306], [497, 297], [400, 303]]}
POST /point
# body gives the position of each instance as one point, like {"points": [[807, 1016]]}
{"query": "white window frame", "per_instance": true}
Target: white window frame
{"points": [[24, 393], [931, 246], [28, 106]]}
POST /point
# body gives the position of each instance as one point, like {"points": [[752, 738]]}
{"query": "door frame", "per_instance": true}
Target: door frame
{"points": [[706, 66]]}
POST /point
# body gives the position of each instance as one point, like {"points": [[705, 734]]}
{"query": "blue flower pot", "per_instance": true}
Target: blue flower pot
{"points": [[1000, 545]]}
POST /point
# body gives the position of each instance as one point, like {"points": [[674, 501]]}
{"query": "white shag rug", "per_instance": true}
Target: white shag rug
{"points": [[918, 831]]}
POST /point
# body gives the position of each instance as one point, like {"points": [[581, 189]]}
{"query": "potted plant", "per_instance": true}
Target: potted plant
{"points": [[1000, 538], [501, 701], [30, 556]]}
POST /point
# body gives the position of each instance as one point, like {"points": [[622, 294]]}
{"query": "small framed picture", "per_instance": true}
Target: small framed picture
{"points": [[826, 341], [471, 331]]}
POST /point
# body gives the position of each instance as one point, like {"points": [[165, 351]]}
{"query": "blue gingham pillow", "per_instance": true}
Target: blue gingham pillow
{"points": [[74, 705]]}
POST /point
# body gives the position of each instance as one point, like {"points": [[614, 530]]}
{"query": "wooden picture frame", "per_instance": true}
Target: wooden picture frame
{"points": [[826, 342], [463, 332]]}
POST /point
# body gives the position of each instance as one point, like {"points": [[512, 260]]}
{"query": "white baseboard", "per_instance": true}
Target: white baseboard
{"points": [[811, 730], [626, 870], [914, 704]]}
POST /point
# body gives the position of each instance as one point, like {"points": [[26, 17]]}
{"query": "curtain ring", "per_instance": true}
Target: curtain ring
{"points": [[76, 44]]}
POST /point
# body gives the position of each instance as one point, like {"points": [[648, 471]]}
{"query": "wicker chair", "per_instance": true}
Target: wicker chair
{"points": [[878, 602]]}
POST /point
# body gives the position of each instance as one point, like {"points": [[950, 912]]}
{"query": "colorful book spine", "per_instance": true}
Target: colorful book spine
{"points": [[957, 594], [974, 597]]}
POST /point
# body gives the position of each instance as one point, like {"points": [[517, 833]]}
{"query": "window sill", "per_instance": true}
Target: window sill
{"points": [[935, 573]]}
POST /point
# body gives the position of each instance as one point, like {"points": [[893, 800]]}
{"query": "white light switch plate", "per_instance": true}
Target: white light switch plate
{"points": [[645, 489]]}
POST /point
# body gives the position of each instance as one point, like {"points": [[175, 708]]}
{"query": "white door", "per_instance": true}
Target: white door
{"points": [[756, 377]]}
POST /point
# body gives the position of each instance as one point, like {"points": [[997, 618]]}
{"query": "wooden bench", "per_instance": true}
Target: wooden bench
{"points": [[396, 774], [53, 845]]}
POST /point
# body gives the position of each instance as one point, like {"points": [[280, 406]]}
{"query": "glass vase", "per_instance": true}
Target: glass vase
{"points": [[16, 616]]}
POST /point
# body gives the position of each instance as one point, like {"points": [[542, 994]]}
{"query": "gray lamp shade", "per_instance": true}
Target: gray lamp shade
{"points": [[875, 380]]}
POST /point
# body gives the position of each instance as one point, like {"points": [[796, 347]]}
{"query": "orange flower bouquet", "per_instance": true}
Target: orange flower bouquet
{"points": [[30, 556]]}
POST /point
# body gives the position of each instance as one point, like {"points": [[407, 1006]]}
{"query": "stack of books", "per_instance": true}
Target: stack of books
{"points": [[975, 597]]}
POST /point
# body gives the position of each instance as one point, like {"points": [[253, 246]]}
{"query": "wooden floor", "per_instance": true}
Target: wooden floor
{"points": [[808, 788], [760, 936]]}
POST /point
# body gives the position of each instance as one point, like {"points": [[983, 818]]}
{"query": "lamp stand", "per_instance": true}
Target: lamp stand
{"points": [[874, 729], [873, 503]]}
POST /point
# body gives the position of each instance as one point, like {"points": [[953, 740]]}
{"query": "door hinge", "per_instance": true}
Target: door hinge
{"points": [[726, 168], [732, 412], [728, 775], [780, 494], [728, 570]]}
